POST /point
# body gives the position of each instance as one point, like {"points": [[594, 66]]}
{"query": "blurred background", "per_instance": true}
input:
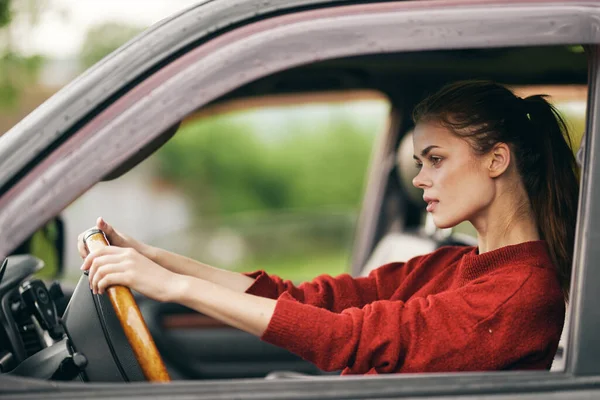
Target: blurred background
{"points": [[275, 185]]}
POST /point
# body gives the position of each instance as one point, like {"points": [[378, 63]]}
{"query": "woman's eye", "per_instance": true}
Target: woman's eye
{"points": [[418, 165], [435, 160]]}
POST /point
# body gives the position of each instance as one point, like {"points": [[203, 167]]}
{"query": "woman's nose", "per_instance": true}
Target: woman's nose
{"points": [[421, 181]]}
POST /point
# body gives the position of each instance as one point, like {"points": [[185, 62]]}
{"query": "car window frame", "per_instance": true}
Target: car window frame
{"points": [[580, 345], [69, 172]]}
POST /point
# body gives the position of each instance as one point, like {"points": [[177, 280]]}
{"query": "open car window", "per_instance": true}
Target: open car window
{"points": [[254, 185]]}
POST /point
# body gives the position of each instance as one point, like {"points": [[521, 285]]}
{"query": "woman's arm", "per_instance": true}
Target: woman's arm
{"points": [[244, 311], [171, 261], [114, 265], [467, 328], [182, 265], [504, 322], [331, 293]]}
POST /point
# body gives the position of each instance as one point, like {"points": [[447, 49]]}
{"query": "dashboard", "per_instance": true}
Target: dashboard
{"points": [[28, 312], [41, 336]]}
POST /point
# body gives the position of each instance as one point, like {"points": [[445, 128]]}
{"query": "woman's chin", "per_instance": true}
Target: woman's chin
{"points": [[442, 223]]}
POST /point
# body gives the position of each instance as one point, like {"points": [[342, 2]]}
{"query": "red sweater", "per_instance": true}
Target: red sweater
{"points": [[450, 310]]}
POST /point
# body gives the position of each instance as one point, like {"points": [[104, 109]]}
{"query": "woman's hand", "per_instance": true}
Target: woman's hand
{"points": [[114, 265], [175, 263], [115, 238]]}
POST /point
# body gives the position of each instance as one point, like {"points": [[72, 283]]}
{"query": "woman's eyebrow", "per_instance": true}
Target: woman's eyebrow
{"points": [[425, 151]]}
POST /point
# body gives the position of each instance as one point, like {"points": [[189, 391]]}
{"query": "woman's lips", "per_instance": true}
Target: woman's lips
{"points": [[431, 205]]}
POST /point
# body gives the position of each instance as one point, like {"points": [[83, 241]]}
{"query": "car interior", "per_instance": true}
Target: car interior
{"points": [[196, 347]]}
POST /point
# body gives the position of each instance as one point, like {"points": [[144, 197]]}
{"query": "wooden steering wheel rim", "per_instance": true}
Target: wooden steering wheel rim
{"points": [[131, 319]]}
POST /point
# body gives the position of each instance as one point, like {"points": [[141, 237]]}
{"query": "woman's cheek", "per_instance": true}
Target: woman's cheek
{"points": [[459, 199]]}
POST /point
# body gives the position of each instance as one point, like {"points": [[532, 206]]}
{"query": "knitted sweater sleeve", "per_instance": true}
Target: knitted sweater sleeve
{"points": [[472, 328], [336, 293]]}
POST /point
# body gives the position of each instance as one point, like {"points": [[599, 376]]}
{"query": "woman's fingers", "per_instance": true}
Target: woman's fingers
{"points": [[112, 279], [104, 226], [89, 259], [83, 251], [102, 272], [114, 238], [108, 260], [103, 260], [81, 247], [127, 267]]}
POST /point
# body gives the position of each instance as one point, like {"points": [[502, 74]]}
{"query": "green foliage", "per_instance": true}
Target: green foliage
{"points": [[103, 39], [227, 165], [16, 73], [43, 245], [5, 14], [300, 268], [286, 183]]}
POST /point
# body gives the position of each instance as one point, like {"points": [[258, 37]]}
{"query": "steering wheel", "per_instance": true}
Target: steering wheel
{"points": [[130, 317]]}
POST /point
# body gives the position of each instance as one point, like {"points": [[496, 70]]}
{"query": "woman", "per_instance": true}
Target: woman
{"points": [[485, 156]]}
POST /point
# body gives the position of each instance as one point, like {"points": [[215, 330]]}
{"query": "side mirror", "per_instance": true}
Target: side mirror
{"points": [[47, 244]]}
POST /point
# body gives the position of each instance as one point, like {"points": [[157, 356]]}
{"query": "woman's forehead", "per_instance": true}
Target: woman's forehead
{"points": [[428, 134]]}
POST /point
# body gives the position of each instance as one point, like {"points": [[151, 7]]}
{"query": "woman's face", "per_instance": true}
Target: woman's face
{"points": [[456, 183]]}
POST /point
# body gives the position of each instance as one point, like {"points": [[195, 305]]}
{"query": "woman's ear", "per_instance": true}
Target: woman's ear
{"points": [[499, 160]]}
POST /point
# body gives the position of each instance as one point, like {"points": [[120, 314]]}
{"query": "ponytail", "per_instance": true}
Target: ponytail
{"points": [[553, 184]]}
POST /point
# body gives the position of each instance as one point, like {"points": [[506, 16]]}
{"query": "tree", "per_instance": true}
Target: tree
{"points": [[16, 70], [4, 13]]}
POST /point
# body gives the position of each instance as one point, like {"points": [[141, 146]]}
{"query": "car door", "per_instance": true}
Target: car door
{"points": [[178, 89]]}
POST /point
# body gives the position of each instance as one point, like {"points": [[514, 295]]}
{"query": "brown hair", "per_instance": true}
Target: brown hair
{"points": [[486, 113]]}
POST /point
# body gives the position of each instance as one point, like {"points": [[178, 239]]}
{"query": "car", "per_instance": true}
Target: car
{"points": [[210, 57]]}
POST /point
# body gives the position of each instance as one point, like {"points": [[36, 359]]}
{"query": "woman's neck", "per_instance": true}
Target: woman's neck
{"points": [[508, 220]]}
